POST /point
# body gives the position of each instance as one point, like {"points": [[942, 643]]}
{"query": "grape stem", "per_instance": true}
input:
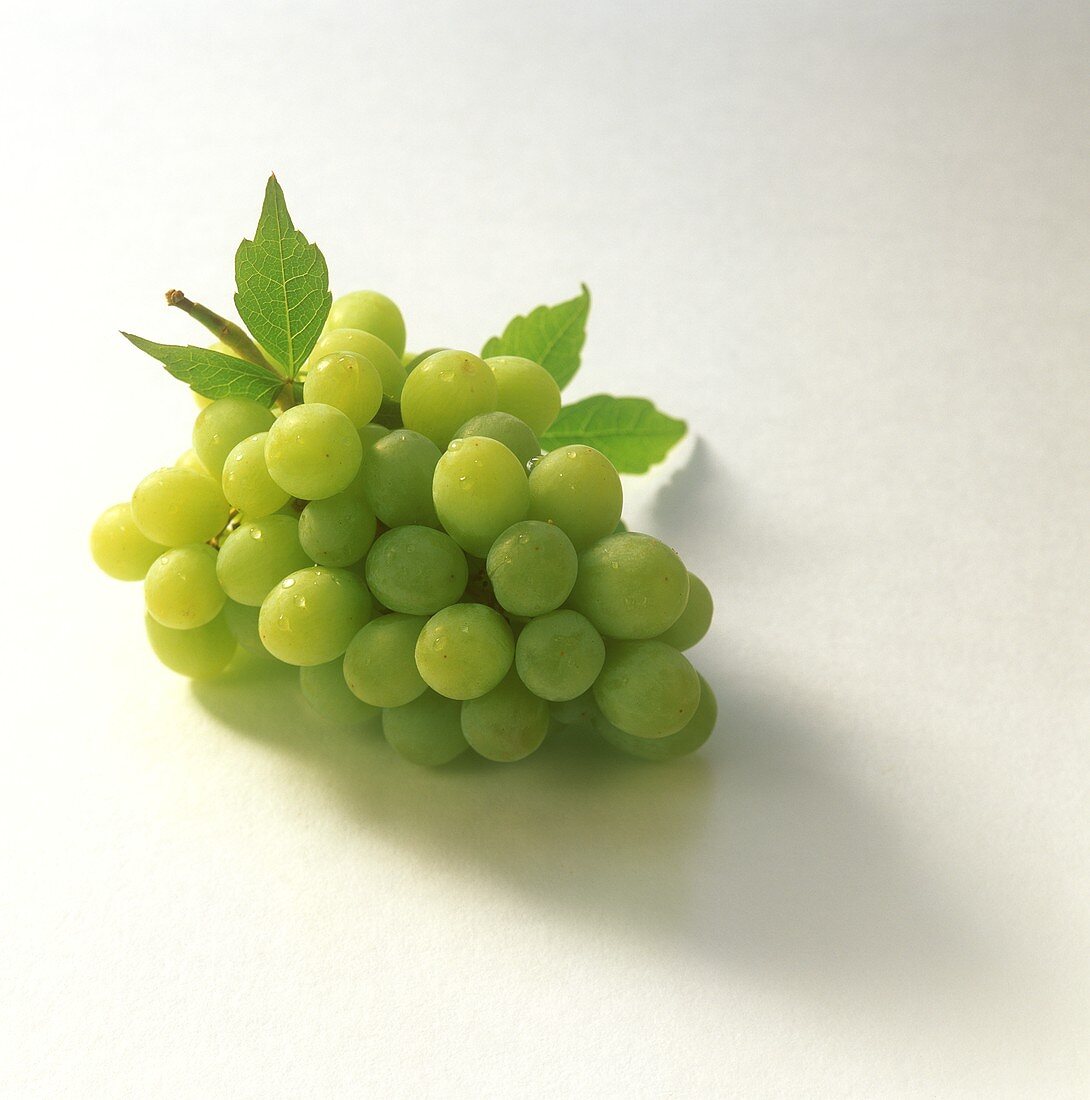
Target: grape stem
{"points": [[227, 331]]}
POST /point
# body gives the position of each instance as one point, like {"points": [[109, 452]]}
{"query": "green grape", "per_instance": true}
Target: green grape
{"points": [[188, 460], [506, 724], [480, 489], [372, 312], [397, 472], [371, 434], [465, 650], [630, 586], [559, 656], [378, 352], [580, 711], [347, 381], [225, 423], [380, 662], [688, 739], [324, 689], [241, 620], [175, 507], [246, 481], [416, 570], [181, 590], [444, 392], [338, 530], [532, 567], [198, 653], [310, 616], [578, 489], [694, 621], [526, 390], [257, 556], [313, 451], [647, 689], [513, 433], [427, 731], [119, 548]]}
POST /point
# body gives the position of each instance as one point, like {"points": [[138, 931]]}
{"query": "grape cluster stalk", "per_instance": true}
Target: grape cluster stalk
{"points": [[399, 538]]}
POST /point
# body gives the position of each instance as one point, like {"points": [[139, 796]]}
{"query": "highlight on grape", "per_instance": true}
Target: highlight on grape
{"points": [[432, 543]]}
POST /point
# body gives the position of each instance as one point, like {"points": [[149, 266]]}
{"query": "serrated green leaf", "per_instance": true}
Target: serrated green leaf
{"points": [[550, 335], [212, 373], [629, 431], [283, 285]]}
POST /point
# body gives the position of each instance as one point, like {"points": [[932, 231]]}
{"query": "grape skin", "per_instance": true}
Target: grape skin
{"points": [[694, 621], [347, 381], [427, 731], [199, 653], [687, 740], [313, 451], [647, 688], [257, 555], [181, 590], [526, 390], [416, 570], [513, 433], [444, 392], [532, 567], [397, 472], [506, 724], [175, 506], [336, 531], [118, 546], [246, 481], [559, 656], [371, 312], [579, 490], [224, 424], [324, 689], [378, 352], [465, 650], [380, 662], [241, 620]]}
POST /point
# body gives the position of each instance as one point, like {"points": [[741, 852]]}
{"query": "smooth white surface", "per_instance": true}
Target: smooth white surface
{"points": [[849, 242]]}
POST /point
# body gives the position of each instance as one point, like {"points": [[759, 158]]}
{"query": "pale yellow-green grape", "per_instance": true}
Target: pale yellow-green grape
{"points": [[688, 739], [580, 711], [465, 650], [188, 460], [559, 656], [397, 472], [198, 653], [241, 620], [175, 506], [427, 731], [347, 381], [579, 490], [338, 530], [224, 423], [372, 312], [380, 662], [506, 724], [310, 616], [647, 689], [444, 392], [118, 546], [526, 390], [369, 434], [630, 586], [694, 621], [532, 567], [246, 481], [181, 590], [324, 689], [416, 570], [513, 433], [257, 556], [480, 489], [313, 451], [380, 354]]}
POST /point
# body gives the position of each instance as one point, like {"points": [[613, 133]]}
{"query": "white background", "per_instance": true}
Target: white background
{"points": [[849, 242]]}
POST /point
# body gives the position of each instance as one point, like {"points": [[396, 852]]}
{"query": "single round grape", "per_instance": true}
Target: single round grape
{"points": [[241, 620], [578, 489], [198, 653], [310, 617], [181, 590], [513, 433], [372, 312], [630, 586], [246, 481], [119, 547], [378, 352], [397, 473], [416, 570], [465, 650], [347, 381], [427, 731], [380, 662], [559, 656], [647, 689], [532, 567], [188, 460], [175, 507], [324, 689], [337, 531], [580, 711], [480, 489], [313, 451], [369, 434], [694, 621], [224, 424], [506, 724], [444, 392], [688, 739], [257, 556], [526, 390]]}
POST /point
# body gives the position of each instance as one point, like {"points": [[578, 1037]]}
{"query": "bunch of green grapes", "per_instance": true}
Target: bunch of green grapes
{"points": [[433, 573]]}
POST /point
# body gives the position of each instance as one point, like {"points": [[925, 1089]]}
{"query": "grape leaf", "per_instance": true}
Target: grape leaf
{"points": [[629, 431], [212, 373], [283, 285], [550, 335]]}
